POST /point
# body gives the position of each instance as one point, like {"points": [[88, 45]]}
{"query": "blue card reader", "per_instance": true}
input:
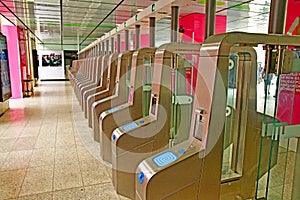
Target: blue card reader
{"points": [[165, 158]]}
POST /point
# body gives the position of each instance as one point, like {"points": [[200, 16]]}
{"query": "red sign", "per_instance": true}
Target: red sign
{"points": [[288, 109]]}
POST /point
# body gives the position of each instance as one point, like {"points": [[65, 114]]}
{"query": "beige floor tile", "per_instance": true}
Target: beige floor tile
{"points": [[64, 119], [6, 144], [67, 140], [67, 180], [10, 183], [11, 133], [24, 143], [27, 132], [42, 196], [3, 125], [48, 129], [3, 157], [69, 194], [83, 154], [42, 157], [17, 160], [90, 165], [101, 191], [67, 176], [65, 124], [37, 180], [66, 155], [65, 130], [44, 142], [92, 177]]}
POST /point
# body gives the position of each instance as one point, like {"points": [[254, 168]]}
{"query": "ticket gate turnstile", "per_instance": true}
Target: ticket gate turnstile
{"points": [[138, 93], [109, 65], [92, 77], [75, 70], [171, 97], [98, 105], [103, 79], [195, 169], [96, 80], [82, 73], [91, 67]]}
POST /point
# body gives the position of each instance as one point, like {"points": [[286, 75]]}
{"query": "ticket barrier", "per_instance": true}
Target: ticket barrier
{"points": [[110, 65], [103, 84], [117, 94], [138, 82], [81, 71], [91, 77], [202, 167], [75, 70], [86, 75], [168, 119], [96, 79]]}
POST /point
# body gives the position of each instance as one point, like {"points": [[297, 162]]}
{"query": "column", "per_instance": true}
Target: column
{"points": [[107, 46], [210, 18], [174, 23], [277, 16], [126, 40], [103, 47], [112, 41], [118, 43], [152, 31]]}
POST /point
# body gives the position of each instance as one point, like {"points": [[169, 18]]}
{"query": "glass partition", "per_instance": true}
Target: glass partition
{"points": [[147, 83], [183, 79], [279, 101]]}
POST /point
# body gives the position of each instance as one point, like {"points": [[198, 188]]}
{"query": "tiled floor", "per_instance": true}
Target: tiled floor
{"points": [[47, 151]]}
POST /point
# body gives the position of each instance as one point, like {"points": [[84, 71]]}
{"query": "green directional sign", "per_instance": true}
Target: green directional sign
{"points": [[153, 7]]}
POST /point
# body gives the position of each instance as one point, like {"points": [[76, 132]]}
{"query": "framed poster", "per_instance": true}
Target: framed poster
{"points": [[51, 65], [52, 60]]}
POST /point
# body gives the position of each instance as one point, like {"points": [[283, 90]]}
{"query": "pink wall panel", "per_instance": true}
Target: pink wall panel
{"points": [[195, 23], [11, 34], [14, 59], [144, 40], [293, 9]]}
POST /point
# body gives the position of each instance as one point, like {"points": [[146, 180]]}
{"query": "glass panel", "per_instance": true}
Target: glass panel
{"points": [[276, 173], [182, 82], [162, 31], [128, 75], [227, 167], [132, 39], [147, 82]]}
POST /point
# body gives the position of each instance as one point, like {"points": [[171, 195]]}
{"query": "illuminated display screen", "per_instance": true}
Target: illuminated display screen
{"points": [[4, 71], [130, 126], [113, 109]]}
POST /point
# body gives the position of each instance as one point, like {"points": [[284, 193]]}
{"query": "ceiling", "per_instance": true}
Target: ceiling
{"points": [[66, 23]]}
